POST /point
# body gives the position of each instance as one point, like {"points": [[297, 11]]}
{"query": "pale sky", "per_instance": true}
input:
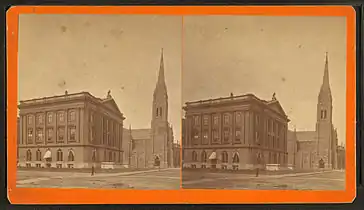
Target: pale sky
{"points": [[97, 53], [262, 55]]}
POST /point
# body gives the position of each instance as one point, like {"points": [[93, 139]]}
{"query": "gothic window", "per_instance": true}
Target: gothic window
{"points": [[59, 155], [160, 112], [39, 155], [323, 114], [71, 156], [157, 112], [224, 157], [204, 157], [29, 155], [194, 156], [236, 158]]}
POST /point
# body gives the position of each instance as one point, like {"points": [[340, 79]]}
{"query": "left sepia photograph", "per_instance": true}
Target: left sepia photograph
{"points": [[99, 100]]}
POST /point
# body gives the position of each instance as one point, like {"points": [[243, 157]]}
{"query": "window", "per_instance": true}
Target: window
{"points": [[30, 119], [39, 135], [49, 134], [194, 156], [323, 114], [92, 133], [160, 111], [72, 133], [30, 134], [61, 134], [110, 156], [196, 134], [29, 155], [50, 118], [59, 155], [216, 120], [224, 157], [70, 165], [38, 155], [59, 165], [204, 157], [205, 136], [215, 135], [71, 156], [236, 158], [237, 135], [72, 116], [226, 119], [38, 165], [226, 134], [238, 118], [40, 118], [61, 116], [206, 120], [196, 120]]}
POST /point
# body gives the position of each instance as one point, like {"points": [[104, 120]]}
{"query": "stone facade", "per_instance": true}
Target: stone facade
{"points": [[76, 130], [322, 143], [145, 146], [236, 132]]}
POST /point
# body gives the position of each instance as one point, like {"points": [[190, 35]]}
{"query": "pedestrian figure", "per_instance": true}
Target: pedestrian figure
{"points": [[322, 164], [92, 170], [258, 164]]}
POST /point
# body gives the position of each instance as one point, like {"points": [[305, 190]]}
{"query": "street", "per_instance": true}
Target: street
{"points": [[152, 179], [328, 180]]}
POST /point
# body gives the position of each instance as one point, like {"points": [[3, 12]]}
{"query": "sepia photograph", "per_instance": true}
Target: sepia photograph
{"points": [[264, 102], [99, 100]]}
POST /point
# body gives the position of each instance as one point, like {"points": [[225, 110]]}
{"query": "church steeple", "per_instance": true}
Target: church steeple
{"points": [[325, 90], [161, 83]]}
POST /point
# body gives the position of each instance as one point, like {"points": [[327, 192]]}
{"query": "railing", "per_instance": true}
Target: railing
{"points": [[219, 100], [56, 98]]}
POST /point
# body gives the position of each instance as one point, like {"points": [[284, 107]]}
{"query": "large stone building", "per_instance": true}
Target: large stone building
{"points": [[70, 130], [146, 146], [322, 143], [236, 132]]}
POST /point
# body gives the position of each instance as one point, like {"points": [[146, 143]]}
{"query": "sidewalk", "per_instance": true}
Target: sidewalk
{"points": [[84, 175]]}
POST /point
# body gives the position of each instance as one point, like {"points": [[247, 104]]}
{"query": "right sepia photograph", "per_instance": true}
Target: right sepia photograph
{"points": [[264, 102]]}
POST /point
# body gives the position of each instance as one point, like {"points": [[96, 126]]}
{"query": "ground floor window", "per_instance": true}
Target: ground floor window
{"points": [[28, 165], [59, 165], [70, 165], [203, 166], [235, 167], [38, 165]]}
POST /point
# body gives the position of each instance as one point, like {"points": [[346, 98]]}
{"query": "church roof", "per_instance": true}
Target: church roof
{"points": [[144, 133], [306, 135]]}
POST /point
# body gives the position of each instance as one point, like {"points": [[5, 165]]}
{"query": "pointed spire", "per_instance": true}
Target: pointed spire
{"points": [[161, 79], [326, 80]]}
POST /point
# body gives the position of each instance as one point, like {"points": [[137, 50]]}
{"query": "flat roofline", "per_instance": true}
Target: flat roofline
{"points": [[223, 99]]}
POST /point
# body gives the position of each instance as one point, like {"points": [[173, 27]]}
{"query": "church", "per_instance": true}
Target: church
{"points": [[152, 147], [308, 148]]}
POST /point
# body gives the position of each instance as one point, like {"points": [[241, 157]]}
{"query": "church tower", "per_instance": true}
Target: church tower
{"points": [[324, 126], [159, 124]]}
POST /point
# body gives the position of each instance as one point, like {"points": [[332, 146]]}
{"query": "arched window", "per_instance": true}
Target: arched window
{"points": [[194, 156], [157, 114], [71, 156], [204, 157], [39, 155], [236, 158], [160, 111], [29, 155], [59, 155], [224, 157]]}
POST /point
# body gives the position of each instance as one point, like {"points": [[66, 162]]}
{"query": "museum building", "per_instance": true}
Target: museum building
{"points": [[236, 132]]}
